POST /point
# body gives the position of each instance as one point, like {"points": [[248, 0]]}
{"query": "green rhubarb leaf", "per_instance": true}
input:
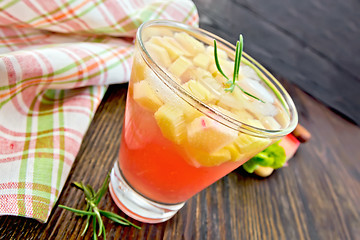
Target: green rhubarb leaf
{"points": [[250, 166], [274, 156]]}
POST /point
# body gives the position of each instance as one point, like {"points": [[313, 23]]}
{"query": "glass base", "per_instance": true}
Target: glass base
{"points": [[136, 206]]}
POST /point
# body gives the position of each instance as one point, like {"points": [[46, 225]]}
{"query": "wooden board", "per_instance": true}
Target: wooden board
{"points": [[316, 197]]}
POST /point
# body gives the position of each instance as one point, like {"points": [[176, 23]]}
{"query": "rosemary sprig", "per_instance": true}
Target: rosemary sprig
{"points": [[92, 212], [238, 55]]}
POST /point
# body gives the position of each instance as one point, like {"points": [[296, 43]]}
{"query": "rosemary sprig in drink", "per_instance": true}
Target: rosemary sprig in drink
{"points": [[92, 212], [238, 55]]}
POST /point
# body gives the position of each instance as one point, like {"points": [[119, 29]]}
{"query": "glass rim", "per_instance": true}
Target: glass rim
{"points": [[207, 110]]}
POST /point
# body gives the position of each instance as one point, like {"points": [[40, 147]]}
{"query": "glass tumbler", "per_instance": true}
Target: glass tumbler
{"points": [[183, 128]]}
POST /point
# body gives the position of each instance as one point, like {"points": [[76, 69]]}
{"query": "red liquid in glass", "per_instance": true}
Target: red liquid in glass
{"points": [[156, 167]]}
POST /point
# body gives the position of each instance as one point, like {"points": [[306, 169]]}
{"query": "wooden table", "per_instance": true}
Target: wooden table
{"points": [[316, 197]]}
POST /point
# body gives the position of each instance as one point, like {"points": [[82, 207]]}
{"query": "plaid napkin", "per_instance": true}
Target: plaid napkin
{"points": [[56, 60]]}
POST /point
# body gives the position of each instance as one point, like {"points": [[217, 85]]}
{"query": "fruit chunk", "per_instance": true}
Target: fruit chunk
{"points": [[213, 86], [176, 44], [146, 96], [159, 54], [208, 160], [235, 100], [226, 66], [202, 74], [190, 113], [241, 97], [195, 73], [139, 69], [179, 66], [192, 45], [155, 31], [251, 145], [173, 51], [208, 135], [244, 116], [171, 121], [189, 74], [282, 116], [201, 60], [234, 151], [198, 90]]}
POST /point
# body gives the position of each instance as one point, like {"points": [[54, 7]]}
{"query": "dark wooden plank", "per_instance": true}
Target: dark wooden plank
{"points": [[329, 28], [316, 197], [313, 44], [332, 208]]}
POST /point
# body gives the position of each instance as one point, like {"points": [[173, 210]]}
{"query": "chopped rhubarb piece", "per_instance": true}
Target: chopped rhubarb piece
{"points": [[290, 144]]}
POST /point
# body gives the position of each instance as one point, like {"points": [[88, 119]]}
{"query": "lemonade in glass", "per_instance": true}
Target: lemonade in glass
{"points": [[184, 128]]}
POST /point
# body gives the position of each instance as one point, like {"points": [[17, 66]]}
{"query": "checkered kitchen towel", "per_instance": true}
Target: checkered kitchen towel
{"points": [[56, 59]]}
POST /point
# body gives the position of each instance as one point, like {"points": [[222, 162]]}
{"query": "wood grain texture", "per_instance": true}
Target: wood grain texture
{"points": [[316, 197]]}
